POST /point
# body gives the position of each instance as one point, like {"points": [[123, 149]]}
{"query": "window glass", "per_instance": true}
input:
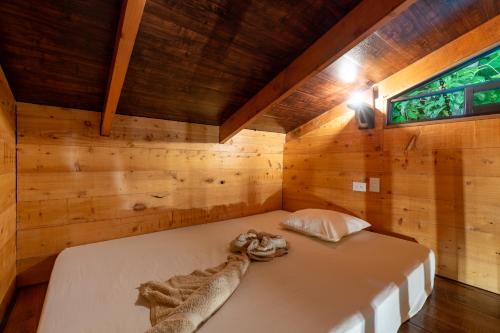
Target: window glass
{"points": [[445, 96], [427, 108], [487, 97]]}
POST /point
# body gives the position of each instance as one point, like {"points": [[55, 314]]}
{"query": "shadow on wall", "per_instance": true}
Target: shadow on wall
{"points": [[193, 216], [422, 183], [450, 210]]}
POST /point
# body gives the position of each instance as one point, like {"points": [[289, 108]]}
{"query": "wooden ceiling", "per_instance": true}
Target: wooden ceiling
{"points": [[422, 28], [201, 60], [58, 52]]}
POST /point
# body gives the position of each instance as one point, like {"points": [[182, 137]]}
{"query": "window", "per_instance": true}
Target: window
{"points": [[472, 88]]}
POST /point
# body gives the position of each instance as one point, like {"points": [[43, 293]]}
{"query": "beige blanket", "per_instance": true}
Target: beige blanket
{"points": [[182, 303]]}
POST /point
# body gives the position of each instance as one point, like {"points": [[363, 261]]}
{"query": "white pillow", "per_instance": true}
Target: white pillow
{"points": [[328, 225]]}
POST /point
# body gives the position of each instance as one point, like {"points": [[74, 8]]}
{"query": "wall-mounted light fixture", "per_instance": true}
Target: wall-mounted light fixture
{"points": [[365, 115]]}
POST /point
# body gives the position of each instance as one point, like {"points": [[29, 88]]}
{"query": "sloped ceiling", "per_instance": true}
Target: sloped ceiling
{"points": [[424, 27], [200, 60], [58, 52], [194, 60]]}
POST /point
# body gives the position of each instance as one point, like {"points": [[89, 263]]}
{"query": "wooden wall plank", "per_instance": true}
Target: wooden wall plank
{"points": [[443, 190], [45, 213], [7, 194], [80, 128], [53, 158], [77, 187]]}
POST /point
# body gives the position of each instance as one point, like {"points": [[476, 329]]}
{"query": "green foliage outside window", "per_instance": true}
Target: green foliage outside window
{"points": [[430, 104], [487, 97], [425, 108]]}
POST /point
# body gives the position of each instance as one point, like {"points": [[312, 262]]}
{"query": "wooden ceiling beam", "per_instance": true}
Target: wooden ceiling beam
{"points": [[128, 27], [353, 28]]}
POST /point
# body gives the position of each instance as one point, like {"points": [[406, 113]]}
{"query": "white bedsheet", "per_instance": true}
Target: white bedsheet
{"points": [[365, 283]]}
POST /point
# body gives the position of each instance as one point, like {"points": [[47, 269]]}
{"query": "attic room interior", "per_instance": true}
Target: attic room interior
{"points": [[249, 166]]}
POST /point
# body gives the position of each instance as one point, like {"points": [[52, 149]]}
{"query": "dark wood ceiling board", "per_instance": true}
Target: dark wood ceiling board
{"points": [[46, 29], [431, 24], [424, 27], [189, 110], [199, 60], [148, 73], [31, 62], [374, 53], [313, 16], [58, 52], [186, 46]]}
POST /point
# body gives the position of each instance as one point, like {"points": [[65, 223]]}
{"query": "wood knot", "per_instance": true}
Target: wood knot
{"points": [[87, 123], [139, 207]]}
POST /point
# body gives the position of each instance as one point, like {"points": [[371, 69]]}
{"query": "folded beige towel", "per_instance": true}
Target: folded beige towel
{"points": [[260, 246], [182, 303]]}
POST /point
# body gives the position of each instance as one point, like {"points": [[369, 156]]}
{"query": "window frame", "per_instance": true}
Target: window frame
{"points": [[470, 110]]}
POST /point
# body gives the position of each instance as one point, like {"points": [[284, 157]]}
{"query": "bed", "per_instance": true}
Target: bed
{"points": [[367, 282]]}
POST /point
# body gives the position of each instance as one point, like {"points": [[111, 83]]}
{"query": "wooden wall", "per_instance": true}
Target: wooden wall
{"points": [[7, 193], [77, 187], [443, 190]]}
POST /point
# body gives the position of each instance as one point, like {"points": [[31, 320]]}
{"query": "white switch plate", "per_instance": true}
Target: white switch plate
{"points": [[359, 187], [374, 184]]}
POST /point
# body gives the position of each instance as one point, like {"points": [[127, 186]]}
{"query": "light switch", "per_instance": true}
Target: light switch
{"points": [[374, 184], [358, 187]]}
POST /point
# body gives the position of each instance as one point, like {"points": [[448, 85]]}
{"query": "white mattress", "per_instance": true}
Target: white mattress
{"points": [[365, 283]]}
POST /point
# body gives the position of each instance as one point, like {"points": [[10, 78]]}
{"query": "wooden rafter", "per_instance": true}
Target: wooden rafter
{"points": [[364, 19], [125, 38]]}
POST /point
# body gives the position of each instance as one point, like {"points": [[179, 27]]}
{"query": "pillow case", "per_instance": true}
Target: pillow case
{"points": [[328, 225]]}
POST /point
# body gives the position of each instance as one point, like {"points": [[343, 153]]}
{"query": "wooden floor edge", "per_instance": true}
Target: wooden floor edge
{"points": [[465, 285]]}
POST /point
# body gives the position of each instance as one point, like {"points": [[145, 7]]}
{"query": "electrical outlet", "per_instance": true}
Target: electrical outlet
{"points": [[358, 187], [374, 184]]}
